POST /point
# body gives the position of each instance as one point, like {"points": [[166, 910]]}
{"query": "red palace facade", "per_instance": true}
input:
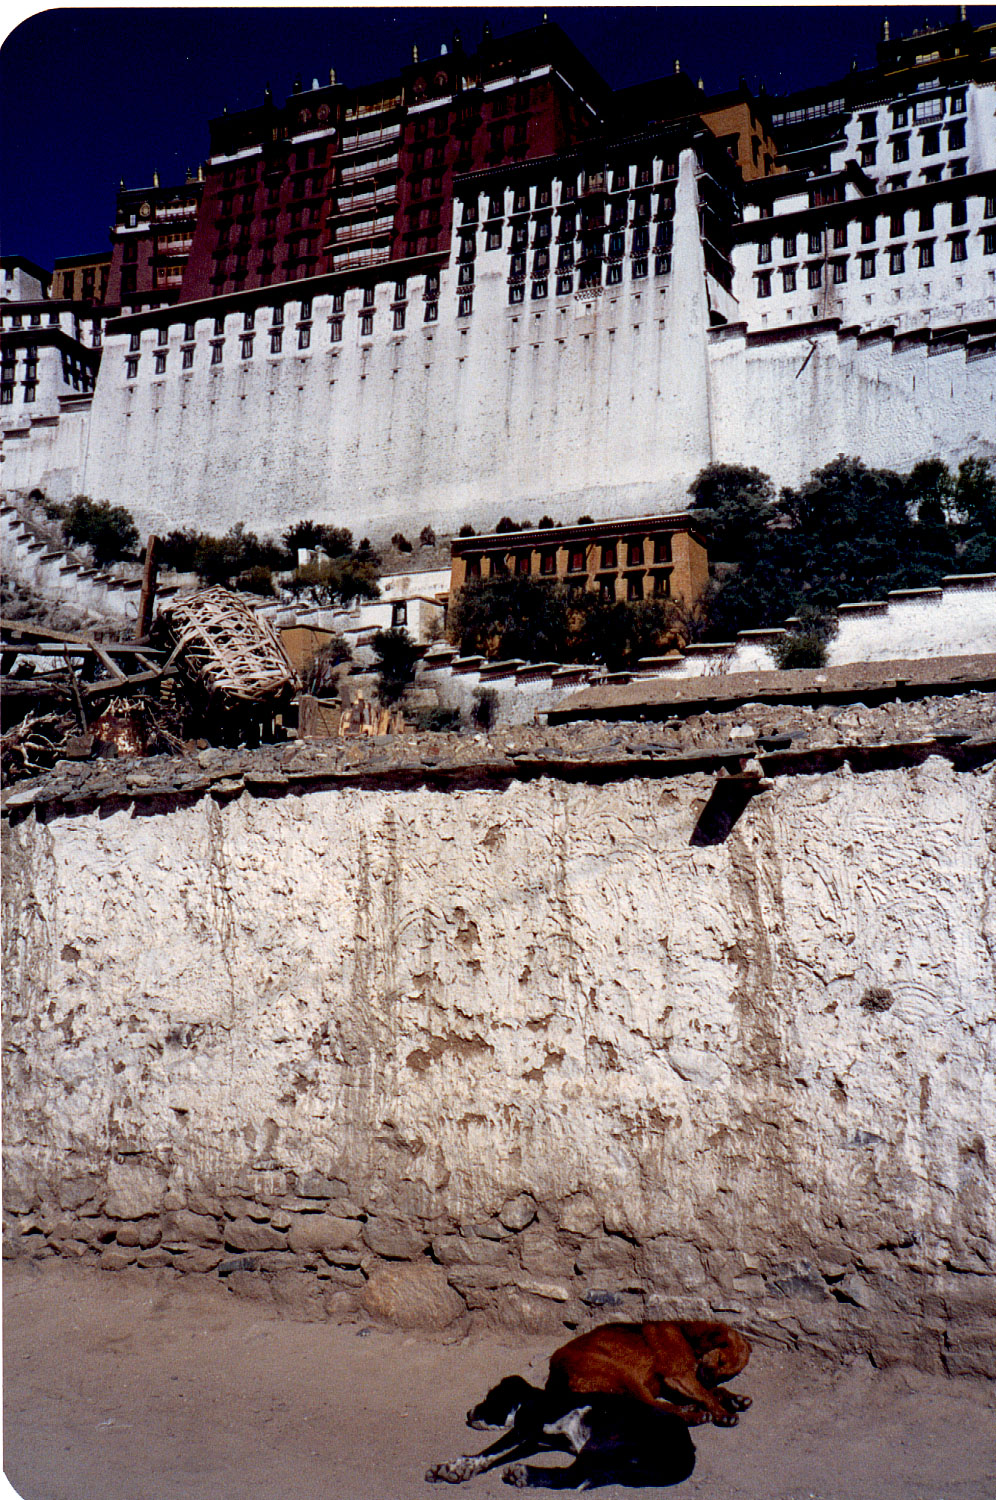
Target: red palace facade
{"points": [[339, 178]]}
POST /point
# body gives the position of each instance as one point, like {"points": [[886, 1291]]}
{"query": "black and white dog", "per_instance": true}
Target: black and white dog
{"points": [[615, 1440]]}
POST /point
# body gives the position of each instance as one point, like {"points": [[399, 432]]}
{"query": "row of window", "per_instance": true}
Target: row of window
{"points": [[29, 392], [868, 262], [930, 145], [817, 239]]}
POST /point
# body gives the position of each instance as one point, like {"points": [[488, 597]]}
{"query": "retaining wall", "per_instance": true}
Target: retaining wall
{"points": [[521, 1053]]}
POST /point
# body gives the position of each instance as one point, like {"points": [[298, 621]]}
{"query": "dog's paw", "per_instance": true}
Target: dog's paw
{"points": [[741, 1403], [516, 1475], [726, 1419], [694, 1416], [449, 1473]]}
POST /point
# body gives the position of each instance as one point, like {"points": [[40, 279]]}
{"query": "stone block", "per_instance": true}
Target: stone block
{"points": [[468, 1250], [541, 1253], [394, 1239], [526, 1311], [151, 1259], [72, 1192], [133, 1191], [518, 1212], [243, 1234], [115, 1258], [319, 1233], [198, 1259], [412, 1296], [180, 1226]]}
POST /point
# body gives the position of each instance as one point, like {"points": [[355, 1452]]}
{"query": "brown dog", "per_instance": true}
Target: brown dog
{"points": [[645, 1360]]}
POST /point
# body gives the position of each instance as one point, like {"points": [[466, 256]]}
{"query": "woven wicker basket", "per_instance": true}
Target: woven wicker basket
{"points": [[226, 647]]}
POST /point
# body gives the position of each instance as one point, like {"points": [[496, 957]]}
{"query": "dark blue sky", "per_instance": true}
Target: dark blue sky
{"points": [[90, 96]]}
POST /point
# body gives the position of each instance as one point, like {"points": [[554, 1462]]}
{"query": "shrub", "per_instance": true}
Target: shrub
{"points": [[400, 541], [545, 521], [466, 530], [258, 580], [485, 708], [397, 655], [585, 521], [506, 524], [800, 649], [108, 530], [427, 537], [436, 720]]}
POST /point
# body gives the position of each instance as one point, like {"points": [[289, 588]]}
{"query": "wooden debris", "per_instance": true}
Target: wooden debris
{"points": [[226, 648]]}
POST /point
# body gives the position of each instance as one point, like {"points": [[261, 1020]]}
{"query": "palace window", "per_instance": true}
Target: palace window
{"points": [[575, 560], [29, 391], [335, 330], [897, 262], [246, 352], [927, 217], [219, 327], [565, 285], [867, 154], [610, 555], [989, 242], [926, 259], [431, 312], [814, 276], [959, 247], [276, 341], [901, 148], [368, 296], [399, 319], [217, 351], [304, 337], [764, 284], [366, 324], [959, 211], [634, 586], [131, 369], [248, 320], [867, 266], [956, 137], [867, 231], [788, 246], [815, 241], [930, 142], [763, 252], [839, 271], [788, 280], [465, 306], [516, 293], [897, 225], [432, 284]]}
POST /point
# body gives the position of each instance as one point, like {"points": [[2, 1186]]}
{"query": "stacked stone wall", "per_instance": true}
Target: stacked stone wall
{"points": [[521, 1054]]}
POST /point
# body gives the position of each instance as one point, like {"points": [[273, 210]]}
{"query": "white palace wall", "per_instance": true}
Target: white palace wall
{"points": [[606, 402]]}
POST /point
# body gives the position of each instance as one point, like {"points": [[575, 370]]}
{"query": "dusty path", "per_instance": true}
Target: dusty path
{"points": [[120, 1388]]}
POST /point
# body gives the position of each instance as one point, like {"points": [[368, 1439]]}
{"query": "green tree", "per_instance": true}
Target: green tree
{"points": [[511, 616], [735, 508], [975, 507], [108, 530], [397, 656]]}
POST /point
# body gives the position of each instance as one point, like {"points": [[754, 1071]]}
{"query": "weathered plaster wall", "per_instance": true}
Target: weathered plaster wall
{"points": [[523, 1051]]}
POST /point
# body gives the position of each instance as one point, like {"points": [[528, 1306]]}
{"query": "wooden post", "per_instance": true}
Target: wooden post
{"points": [[147, 598]]}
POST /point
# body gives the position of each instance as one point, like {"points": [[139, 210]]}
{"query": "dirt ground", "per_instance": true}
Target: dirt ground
{"points": [[122, 1387]]}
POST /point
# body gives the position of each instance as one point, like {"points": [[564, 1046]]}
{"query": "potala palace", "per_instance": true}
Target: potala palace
{"points": [[489, 284]]}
